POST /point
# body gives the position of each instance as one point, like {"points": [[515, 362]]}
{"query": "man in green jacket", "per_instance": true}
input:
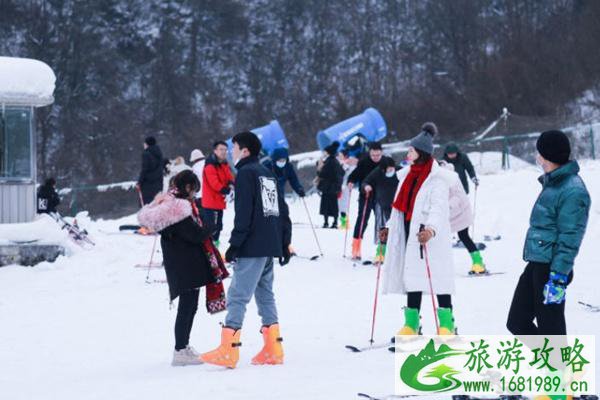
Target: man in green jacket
{"points": [[556, 228]]}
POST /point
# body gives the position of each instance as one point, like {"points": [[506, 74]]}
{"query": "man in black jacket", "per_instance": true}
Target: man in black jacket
{"points": [[383, 182], [47, 197], [363, 169], [462, 165], [150, 181], [256, 238]]}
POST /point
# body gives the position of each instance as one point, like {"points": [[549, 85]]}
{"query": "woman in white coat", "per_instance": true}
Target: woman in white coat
{"points": [[421, 219], [461, 217]]}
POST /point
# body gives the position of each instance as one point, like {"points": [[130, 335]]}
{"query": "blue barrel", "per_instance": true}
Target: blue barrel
{"points": [[369, 124], [271, 137]]}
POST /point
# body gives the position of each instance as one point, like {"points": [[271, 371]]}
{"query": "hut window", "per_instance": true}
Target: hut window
{"points": [[15, 144]]}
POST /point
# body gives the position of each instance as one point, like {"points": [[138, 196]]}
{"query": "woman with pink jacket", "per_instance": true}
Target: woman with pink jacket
{"points": [[461, 216], [190, 258]]}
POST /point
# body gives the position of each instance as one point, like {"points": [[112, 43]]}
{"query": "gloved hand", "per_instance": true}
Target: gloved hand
{"points": [[475, 181], [301, 193], [555, 289], [285, 258], [226, 190], [231, 254]]}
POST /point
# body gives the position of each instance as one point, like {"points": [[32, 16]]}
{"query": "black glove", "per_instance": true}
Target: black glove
{"points": [[285, 258], [225, 191], [475, 180], [301, 193], [231, 254]]}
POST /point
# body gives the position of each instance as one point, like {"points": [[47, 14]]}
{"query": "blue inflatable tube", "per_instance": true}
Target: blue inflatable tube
{"points": [[271, 136], [370, 124]]}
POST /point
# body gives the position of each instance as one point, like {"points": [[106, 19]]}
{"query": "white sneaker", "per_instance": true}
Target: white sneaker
{"points": [[187, 356], [192, 352]]}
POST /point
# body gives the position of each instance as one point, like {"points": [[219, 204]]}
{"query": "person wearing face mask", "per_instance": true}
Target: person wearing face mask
{"points": [[420, 223], [383, 182], [279, 164], [365, 166], [191, 260], [284, 171], [556, 229]]}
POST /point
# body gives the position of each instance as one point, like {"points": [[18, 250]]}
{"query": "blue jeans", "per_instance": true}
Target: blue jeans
{"points": [[251, 276]]}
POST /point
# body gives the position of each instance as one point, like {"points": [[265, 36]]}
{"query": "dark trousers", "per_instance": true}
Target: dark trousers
{"points": [[467, 241], [188, 305], [528, 305], [213, 219], [361, 207]]}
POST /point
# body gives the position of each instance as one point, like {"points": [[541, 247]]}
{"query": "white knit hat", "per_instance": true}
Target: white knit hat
{"points": [[196, 155]]}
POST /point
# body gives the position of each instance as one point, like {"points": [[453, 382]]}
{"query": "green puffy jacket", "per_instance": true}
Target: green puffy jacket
{"points": [[558, 219]]}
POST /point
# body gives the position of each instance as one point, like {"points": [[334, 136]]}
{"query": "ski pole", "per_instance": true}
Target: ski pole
{"points": [[474, 210], [347, 222], [140, 196], [151, 259], [312, 226], [424, 249], [375, 302]]}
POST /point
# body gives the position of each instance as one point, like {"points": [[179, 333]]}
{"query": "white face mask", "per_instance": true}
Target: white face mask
{"points": [[281, 164], [389, 174]]}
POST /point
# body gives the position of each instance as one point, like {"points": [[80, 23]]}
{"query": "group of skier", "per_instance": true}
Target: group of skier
{"points": [[417, 205]]}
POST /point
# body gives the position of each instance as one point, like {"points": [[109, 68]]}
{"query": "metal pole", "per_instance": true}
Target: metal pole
{"points": [[592, 140]]}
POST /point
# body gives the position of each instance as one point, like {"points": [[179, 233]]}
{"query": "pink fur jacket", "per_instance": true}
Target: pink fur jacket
{"points": [[164, 211]]}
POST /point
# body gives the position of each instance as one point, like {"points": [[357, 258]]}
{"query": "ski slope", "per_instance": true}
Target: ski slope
{"points": [[89, 327]]}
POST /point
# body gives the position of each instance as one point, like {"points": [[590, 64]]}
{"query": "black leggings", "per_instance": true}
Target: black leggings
{"points": [[528, 304], [413, 299], [467, 241], [188, 305], [359, 218]]}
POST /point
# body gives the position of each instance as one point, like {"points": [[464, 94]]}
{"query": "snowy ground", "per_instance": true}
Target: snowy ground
{"points": [[88, 327]]}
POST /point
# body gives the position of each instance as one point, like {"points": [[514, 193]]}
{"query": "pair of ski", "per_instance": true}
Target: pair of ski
{"points": [[390, 345], [486, 273], [77, 235], [406, 346]]}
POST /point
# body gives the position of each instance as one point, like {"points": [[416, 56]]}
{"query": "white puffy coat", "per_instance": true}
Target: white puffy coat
{"points": [[404, 270]]}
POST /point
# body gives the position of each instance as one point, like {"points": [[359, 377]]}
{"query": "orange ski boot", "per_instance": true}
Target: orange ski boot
{"points": [[356, 249], [228, 352], [272, 351]]}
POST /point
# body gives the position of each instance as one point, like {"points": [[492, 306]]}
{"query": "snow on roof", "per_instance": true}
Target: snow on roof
{"points": [[24, 81]]}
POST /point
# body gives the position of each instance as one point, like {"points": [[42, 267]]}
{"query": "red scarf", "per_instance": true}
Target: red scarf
{"points": [[215, 292], [405, 201], [215, 261]]}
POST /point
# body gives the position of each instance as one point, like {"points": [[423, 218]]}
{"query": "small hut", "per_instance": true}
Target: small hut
{"points": [[25, 85]]}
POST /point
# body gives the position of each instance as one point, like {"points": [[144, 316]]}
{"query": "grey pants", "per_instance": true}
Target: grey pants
{"points": [[251, 276]]}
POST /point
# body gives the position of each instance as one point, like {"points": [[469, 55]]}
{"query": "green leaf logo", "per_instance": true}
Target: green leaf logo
{"points": [[413, 365]]}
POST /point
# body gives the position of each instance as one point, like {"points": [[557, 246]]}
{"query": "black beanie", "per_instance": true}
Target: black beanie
{"points": [[554, 146], [150, 141], [332, 149]]}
